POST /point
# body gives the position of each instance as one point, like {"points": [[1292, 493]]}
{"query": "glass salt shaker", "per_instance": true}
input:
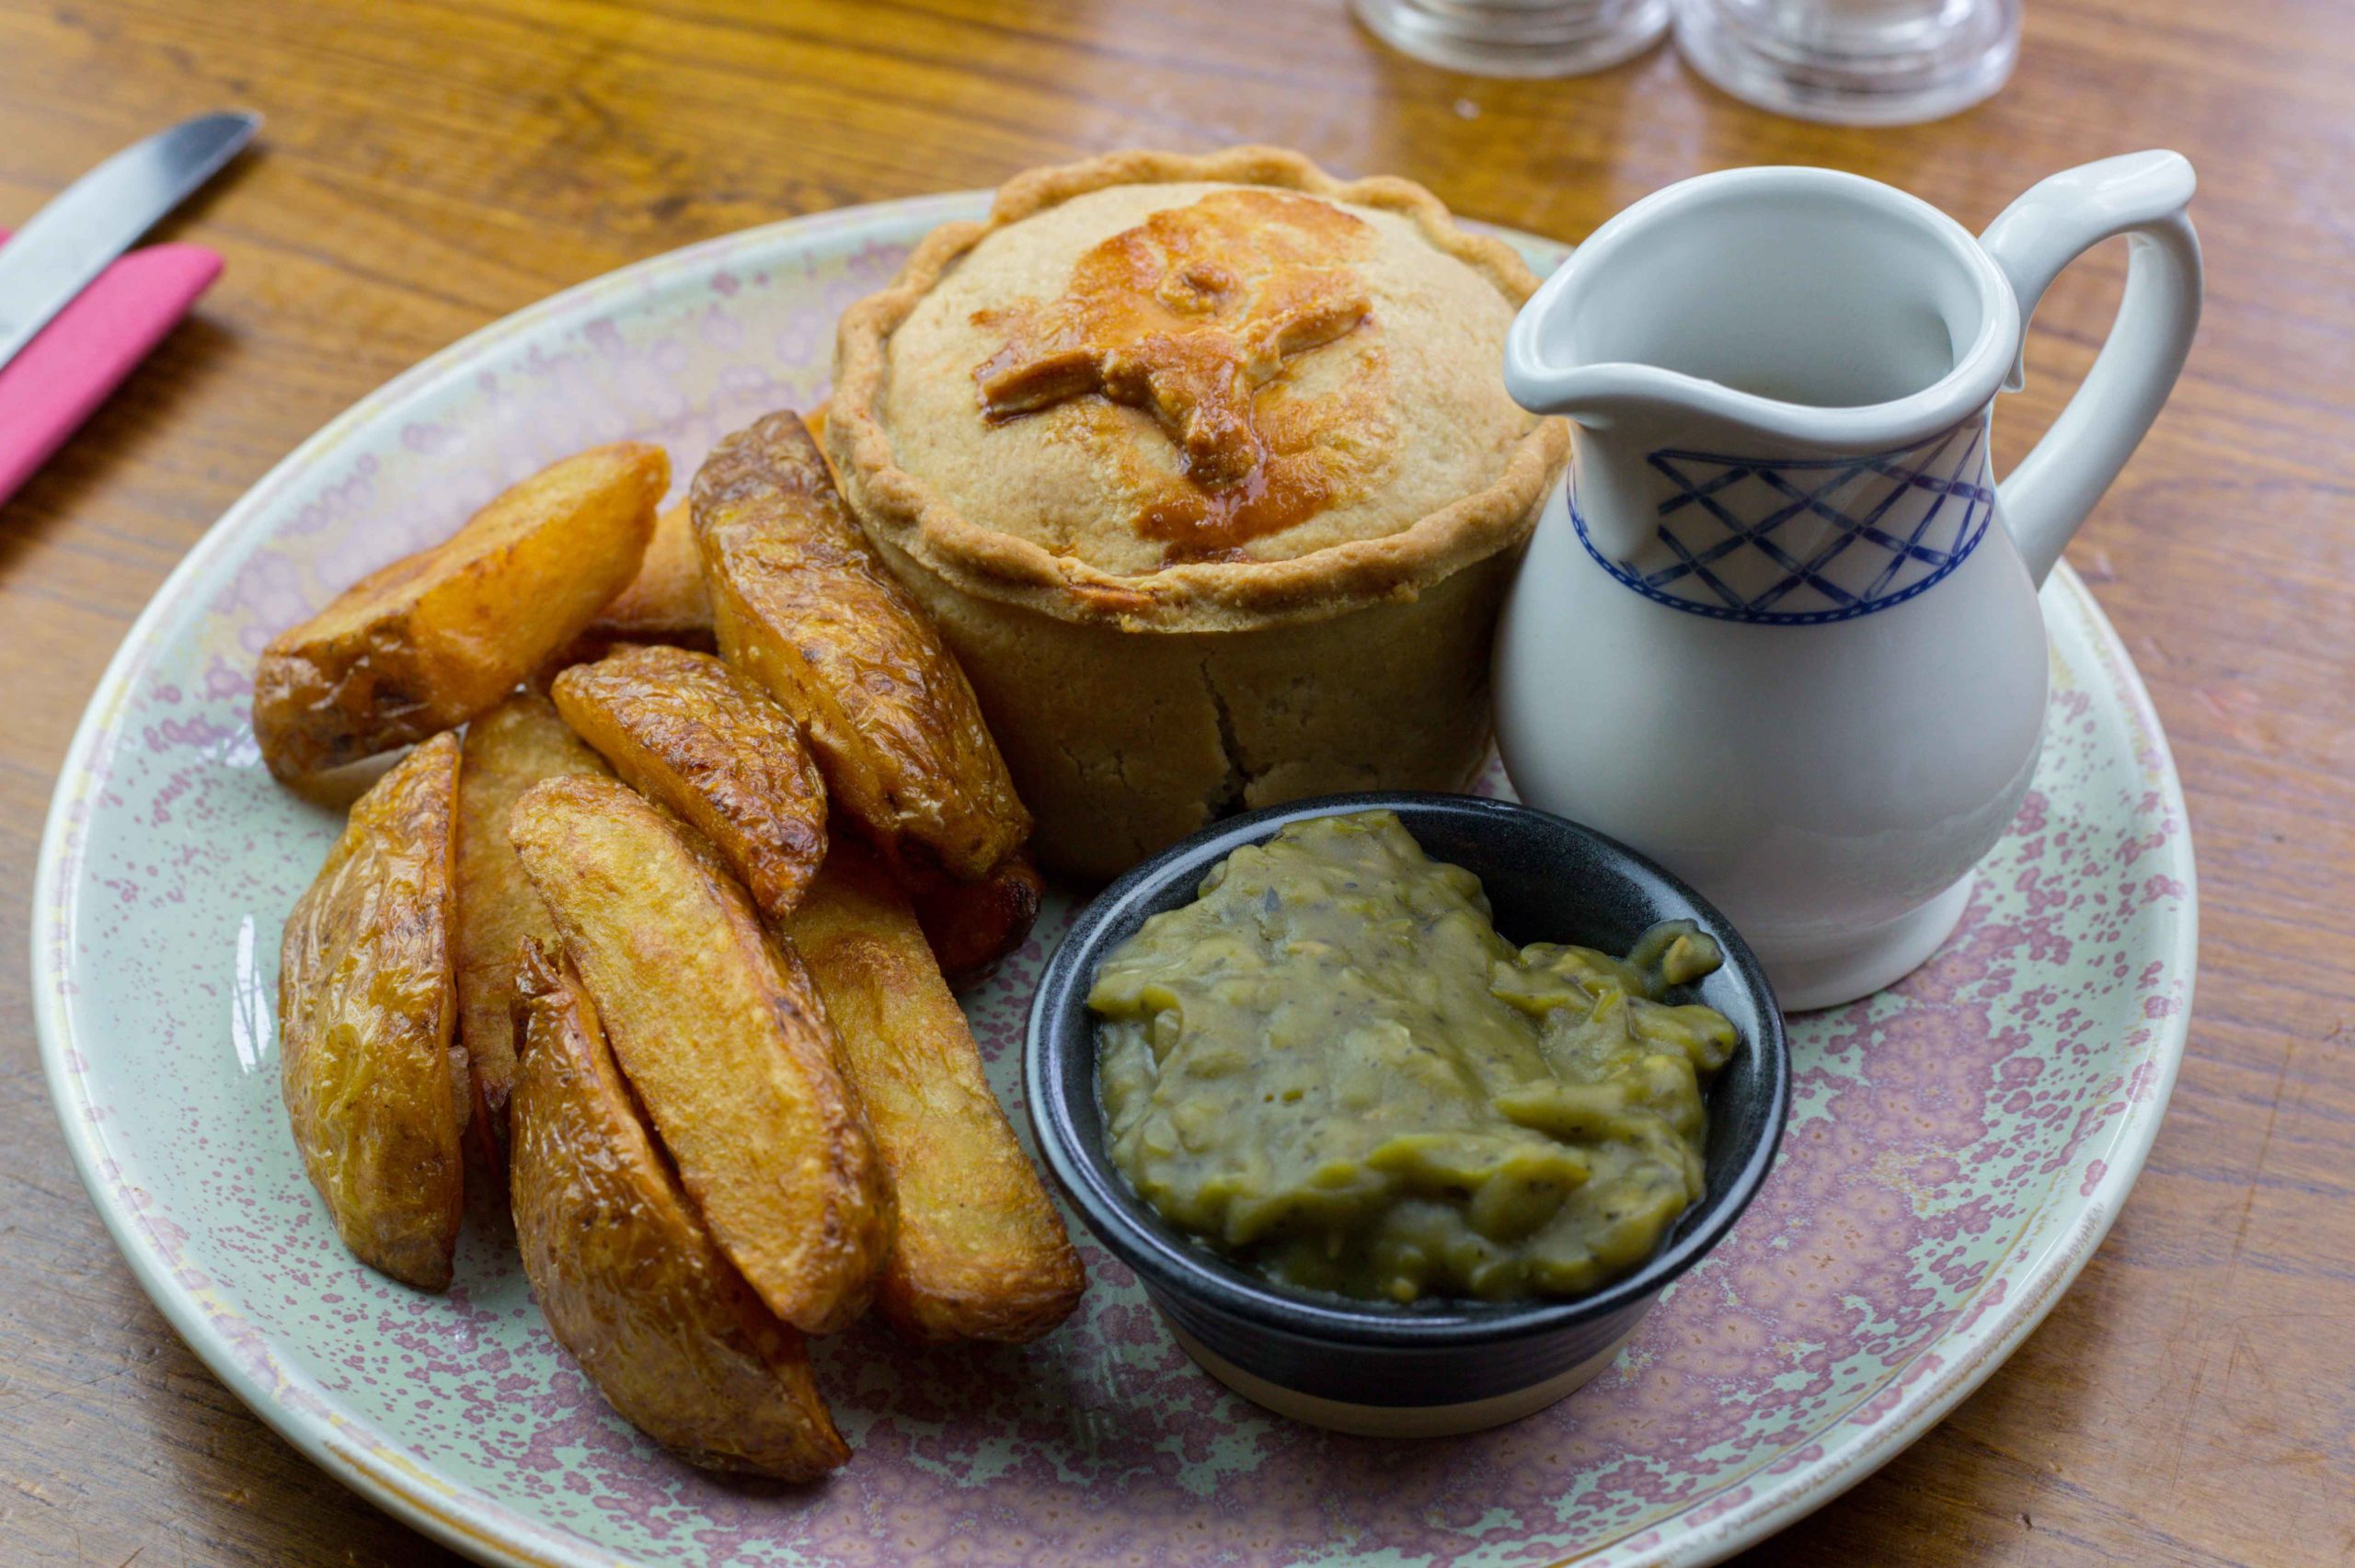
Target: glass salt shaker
{"points": [[1853, 62]]}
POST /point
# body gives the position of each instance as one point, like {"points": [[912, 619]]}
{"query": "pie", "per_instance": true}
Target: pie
{"points": [[1206, 468]]}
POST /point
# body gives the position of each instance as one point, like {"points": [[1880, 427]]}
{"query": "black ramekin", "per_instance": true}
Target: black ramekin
{"points": [[1433, 1368]]}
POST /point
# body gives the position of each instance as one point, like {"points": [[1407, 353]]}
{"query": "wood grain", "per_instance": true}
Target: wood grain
{"points": [[430, 166]]}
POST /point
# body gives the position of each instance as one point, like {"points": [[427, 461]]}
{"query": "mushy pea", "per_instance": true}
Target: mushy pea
{"points": [[1331, 1068]]}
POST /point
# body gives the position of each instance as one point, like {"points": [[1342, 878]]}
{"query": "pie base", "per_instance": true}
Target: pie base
{"points": [[1123, 742]]}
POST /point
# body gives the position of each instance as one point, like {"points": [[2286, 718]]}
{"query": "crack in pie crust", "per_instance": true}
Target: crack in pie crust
{"points": [[1206, 467]]}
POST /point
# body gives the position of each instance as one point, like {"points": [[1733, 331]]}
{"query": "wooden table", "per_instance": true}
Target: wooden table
{"points": [[431, 166]]}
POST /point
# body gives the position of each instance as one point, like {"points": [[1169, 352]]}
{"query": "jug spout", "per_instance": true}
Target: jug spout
{"points": [[1591, 394], [1546, 371]]}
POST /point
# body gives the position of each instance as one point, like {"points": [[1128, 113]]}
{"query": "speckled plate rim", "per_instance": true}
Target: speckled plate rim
{"points": [[493, 1531]]}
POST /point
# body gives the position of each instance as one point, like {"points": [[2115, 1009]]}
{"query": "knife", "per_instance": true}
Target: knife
{"points": [[64, 246]]}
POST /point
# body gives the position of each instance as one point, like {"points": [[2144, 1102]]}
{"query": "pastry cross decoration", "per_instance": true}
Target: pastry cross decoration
{"points": [[1186, 317]]}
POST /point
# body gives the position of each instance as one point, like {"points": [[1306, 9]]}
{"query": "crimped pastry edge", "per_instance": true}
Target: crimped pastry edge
{"points": [[902, 508]]}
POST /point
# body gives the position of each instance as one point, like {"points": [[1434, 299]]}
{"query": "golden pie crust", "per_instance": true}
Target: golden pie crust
{"points": [[906, 509], [1030, 426]]}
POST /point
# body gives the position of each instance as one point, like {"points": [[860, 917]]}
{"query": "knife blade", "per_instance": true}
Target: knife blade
{"points": [[64, 246]]}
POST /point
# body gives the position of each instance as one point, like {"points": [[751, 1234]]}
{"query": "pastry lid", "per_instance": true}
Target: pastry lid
{"points": [[1193, 393]]}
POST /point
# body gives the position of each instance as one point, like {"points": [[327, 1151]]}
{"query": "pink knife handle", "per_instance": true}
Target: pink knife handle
{"points": [[82, 355]]}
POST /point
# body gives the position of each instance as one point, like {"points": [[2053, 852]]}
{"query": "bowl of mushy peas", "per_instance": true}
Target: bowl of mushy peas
{"points": [[1404, 1108]]}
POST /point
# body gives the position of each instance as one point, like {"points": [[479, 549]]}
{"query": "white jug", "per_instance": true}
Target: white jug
{"points": [[1779, 630]]}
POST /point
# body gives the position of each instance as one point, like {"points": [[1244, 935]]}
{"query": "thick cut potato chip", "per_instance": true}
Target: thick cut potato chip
{"points": [[725, 1041], [688, 732], [973, 925], [627, 1274], [804, 607], [367, 999], [435, 638], [667, 601], [508, 751], [981, 1254]]}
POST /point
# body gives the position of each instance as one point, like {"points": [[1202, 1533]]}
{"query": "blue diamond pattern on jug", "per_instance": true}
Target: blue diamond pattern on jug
{"points": [[1803, 541]]}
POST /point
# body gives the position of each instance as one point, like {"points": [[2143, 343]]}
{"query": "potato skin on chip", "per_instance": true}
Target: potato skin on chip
{"points": [[627, 1272], [688, 732], [434, 638], [982, 1252], [804, 607], [725, 1042], [507, 751], [367, 997]]}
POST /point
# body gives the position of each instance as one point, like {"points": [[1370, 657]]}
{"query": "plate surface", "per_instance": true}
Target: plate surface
{"points": [[1958, 1146]]}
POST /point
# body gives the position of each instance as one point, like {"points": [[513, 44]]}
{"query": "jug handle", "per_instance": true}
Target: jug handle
{"points": [[2142, 195]]}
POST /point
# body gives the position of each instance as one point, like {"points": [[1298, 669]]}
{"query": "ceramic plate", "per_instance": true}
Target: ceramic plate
{"points": [[1958, 1146]]}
